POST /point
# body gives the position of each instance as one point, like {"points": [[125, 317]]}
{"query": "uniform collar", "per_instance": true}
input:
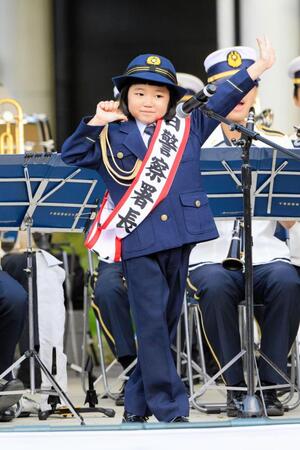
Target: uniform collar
{"points": [[133, 141], [215, 139], [218, 139]]}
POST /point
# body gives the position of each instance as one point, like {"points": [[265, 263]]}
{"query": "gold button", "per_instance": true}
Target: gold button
{"points": [[164, 217], [197, 203], [120, 155]]}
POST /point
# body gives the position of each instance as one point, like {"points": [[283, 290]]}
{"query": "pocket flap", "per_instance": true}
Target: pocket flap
{"points": [[194, 199]]}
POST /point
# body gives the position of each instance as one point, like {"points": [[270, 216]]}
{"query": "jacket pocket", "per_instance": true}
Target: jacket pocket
{"points": [[197, 214]]}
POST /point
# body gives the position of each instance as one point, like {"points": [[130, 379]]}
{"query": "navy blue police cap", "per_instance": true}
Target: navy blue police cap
{"points": [[153, 68], [222, 64]]}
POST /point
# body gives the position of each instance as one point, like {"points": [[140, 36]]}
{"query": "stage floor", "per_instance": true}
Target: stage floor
{"points": [[215, 430]]}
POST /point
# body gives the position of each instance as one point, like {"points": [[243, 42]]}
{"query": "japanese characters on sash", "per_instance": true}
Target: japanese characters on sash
{"points": [[149, 188]]}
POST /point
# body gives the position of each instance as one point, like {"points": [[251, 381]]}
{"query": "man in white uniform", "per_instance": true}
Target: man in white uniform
{"points": [[276, 282]]}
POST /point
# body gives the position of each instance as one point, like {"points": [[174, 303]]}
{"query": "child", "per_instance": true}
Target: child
{"points": [[158, 216]]}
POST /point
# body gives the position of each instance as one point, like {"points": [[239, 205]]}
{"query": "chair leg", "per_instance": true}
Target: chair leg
{"points": [[200, 342]]}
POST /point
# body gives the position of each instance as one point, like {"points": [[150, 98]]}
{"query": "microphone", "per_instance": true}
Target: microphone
{"points": [[185, 108], [250, 119]]}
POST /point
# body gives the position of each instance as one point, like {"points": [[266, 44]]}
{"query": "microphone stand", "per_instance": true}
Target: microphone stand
{"points": [[251, 405]]}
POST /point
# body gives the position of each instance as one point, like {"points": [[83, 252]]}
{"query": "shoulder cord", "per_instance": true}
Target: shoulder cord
{"points": [[104, 143]]}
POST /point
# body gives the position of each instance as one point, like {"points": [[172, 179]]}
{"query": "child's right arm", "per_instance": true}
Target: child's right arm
{"points": [[82, 147], [106, 112]]}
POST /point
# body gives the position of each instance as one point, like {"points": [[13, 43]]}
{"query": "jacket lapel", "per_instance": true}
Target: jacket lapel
{"points": [[133, 139]]}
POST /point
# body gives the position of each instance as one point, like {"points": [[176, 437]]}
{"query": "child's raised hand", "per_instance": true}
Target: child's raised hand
{"points": [[106, 112]]}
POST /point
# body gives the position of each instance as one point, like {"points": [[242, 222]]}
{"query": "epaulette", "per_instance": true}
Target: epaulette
{"points": [[270, 131]]}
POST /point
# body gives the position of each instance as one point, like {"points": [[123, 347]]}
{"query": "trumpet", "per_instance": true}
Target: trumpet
{"points": [[234, 260]]}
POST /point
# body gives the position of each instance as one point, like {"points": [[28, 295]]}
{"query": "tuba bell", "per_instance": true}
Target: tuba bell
{"points": [[11, 127], [234, 260]]}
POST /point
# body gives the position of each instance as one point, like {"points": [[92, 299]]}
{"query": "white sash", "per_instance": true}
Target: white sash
{"points": [[149, 188]]}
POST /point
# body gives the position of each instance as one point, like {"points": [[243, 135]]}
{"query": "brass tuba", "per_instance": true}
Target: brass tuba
{"points": [[11, 127], [234, 260]]}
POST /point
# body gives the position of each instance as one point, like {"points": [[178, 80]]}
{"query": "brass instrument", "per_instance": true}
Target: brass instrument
{"points": [[12, 130], [265, 118], [20, 132], [234, 260]]}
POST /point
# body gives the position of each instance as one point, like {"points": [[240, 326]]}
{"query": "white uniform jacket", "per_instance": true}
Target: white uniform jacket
{"points": [[266, 247]]}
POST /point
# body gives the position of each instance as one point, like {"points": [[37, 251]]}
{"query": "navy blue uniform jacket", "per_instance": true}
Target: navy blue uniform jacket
{"points": [[187, 222]]}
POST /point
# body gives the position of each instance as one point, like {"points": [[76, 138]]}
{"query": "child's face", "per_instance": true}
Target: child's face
{"points": [[148, 103]]}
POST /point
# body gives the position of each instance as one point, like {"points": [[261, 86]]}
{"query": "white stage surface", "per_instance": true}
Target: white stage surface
{"points": [[239, 434]]}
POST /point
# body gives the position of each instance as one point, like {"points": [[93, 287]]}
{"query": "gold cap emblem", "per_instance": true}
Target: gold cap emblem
{"points": [[153, 60], [234, 59]]}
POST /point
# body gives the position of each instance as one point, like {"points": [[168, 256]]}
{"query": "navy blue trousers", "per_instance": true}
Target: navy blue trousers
{"points": [[112, 300], [156, 285], [277, 287], [13, 312]]}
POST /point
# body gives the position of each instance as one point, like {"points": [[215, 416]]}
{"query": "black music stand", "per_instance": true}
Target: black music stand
{"points": [[38, 192], [271, 204]]}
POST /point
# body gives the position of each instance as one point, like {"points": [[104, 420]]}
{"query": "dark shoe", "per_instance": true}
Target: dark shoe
{"points": [[121, 397], [7, 415], [234, 402], [130, 418], [274, 406], [43, 415], [179, 419], [8, 400]]}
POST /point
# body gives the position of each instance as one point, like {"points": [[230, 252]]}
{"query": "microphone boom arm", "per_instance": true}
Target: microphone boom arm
{"points": [[252, 134]]}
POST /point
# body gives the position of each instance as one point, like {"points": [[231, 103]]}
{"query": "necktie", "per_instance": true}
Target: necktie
{"points": [[149, 130]]}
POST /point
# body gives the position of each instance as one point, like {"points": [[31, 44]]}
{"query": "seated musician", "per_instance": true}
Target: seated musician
{"points": [[13, 311], [48, 290], [276, 282]]}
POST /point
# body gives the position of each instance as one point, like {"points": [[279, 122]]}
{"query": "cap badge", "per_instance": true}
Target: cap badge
{"points": [[234, 59], [153, 60]]}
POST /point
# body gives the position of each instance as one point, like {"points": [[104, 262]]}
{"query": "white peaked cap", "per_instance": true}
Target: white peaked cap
{"points": [[188, 81]]}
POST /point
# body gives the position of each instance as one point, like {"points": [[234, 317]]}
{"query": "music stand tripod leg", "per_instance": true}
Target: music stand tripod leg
{"points": [[70, 322]]}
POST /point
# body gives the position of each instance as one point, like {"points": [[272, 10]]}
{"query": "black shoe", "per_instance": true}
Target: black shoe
{"points": [[234, 402], [43, 415], [274, 406], [179, 419], [7, 415], [121, 397], [8, 400], [130, 418]]}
